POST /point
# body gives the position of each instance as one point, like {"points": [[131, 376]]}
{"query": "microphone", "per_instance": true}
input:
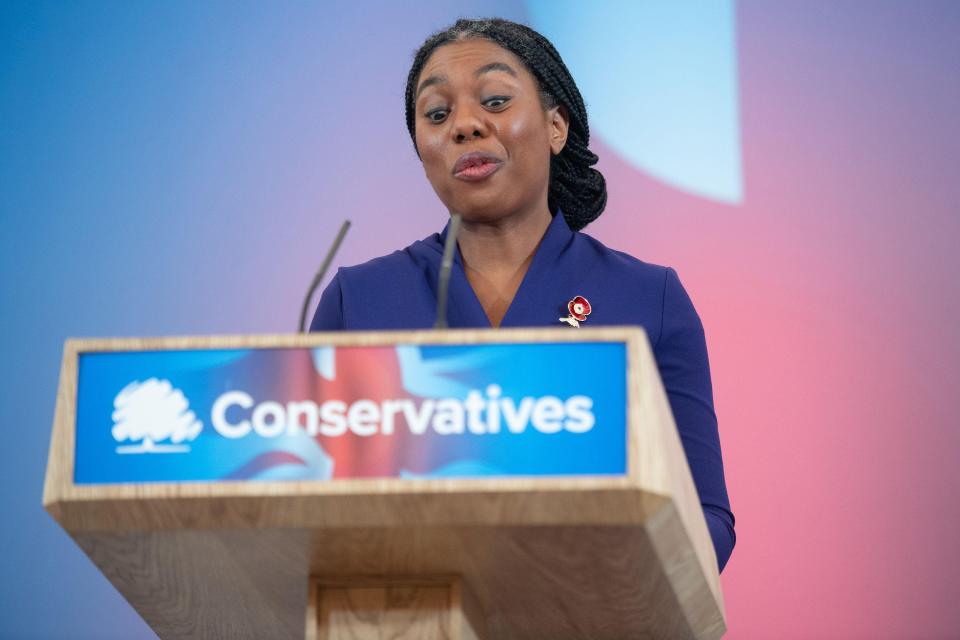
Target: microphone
{"points": [[446, 265], [322, 271]]}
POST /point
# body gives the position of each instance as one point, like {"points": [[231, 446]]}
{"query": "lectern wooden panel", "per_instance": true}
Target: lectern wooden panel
{"points": [[474, 550]]}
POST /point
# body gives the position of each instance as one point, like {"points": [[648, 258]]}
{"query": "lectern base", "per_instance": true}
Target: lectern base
{"points": [[417, 608]]}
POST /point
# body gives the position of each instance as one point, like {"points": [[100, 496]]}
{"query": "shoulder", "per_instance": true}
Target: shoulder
{"points": [[390, 292], [630, 270], [645, 290], [396, 266]]}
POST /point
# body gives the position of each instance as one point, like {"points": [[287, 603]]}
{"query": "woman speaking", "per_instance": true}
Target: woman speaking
{"points": [[501, 130]]}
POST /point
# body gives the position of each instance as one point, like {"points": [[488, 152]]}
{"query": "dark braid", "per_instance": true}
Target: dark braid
{"points": [[576, 188]]}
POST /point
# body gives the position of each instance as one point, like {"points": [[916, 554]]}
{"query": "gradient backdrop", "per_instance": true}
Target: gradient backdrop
{"points": [[179, 168]]}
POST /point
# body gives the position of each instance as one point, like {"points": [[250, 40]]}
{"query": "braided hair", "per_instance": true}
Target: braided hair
{"points": [[576, 188]]}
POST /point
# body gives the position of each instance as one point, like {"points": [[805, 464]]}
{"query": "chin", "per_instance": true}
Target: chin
{"points": [[487, 209], [484, 215]]}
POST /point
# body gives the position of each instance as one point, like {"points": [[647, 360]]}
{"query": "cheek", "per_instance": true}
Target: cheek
{"points": [[525, 128], [430, 147], [529, 144]]}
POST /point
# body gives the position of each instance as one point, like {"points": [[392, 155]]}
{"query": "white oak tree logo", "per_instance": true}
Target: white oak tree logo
{"points": [[150, 412]]}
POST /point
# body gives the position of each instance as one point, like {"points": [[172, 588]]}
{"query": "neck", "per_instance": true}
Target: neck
{"points": [[496, 257], [500, 248]]}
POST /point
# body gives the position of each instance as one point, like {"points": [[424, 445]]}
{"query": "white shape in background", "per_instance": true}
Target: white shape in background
{"points": [[150, 412], [324, 361], [436, 377], [659, 78]]}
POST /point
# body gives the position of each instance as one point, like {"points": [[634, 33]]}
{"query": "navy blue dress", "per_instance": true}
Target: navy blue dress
{"points": [[398, 291]]}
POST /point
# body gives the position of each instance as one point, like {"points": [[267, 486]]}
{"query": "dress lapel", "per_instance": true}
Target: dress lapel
{"points": [[553, 278], [464, 310], [541, 296]]}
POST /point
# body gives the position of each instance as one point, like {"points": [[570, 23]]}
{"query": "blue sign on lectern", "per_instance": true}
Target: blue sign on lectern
{"points": [[408, 411]]}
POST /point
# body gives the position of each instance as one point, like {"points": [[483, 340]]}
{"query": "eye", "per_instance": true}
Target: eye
{"points": [[496, 101], [436, 115]]}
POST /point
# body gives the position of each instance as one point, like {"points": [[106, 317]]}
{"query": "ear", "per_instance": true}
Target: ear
{"points": [[559, 123]]}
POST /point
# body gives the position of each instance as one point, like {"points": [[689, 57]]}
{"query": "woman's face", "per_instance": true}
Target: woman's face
{"points": [[483, 135]]}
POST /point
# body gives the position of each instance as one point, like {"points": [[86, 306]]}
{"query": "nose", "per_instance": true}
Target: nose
{"points": [[468, 123]]}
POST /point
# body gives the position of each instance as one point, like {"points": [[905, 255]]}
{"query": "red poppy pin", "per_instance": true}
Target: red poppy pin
{"points": [[579, 309]]}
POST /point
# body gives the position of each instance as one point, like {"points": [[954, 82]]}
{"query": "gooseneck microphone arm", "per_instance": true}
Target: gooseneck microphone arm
{"points": [[322, 271], [443, 286]]}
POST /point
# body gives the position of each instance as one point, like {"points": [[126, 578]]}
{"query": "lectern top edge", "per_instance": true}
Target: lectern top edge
{"points": [[360, 339]]}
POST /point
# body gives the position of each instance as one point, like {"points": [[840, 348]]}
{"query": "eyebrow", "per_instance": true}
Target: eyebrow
{"points": [[487, 68], [495, 66]]}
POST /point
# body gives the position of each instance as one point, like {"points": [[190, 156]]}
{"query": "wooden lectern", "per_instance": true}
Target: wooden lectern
{"points": [[544, 556]]}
